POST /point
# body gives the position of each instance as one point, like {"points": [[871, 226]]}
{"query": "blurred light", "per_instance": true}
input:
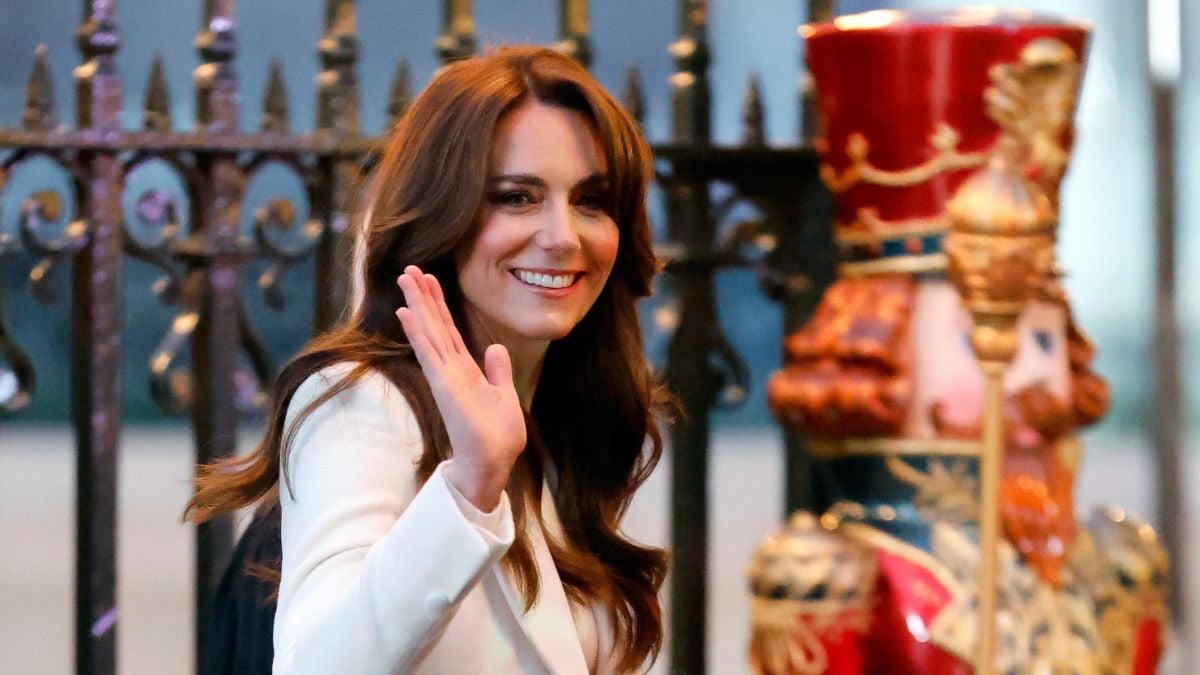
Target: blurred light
{"points": [[1163, 25]]}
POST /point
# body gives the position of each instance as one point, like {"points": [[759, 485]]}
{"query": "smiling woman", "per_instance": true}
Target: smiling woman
{"points": [[546, 243], [456, 457]]}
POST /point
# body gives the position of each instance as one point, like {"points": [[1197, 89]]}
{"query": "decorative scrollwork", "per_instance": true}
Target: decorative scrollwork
{"points": [[157, 216], [746, 243], [732, 371], [171, 383], [39, 225], [16, 372], [47, 223], [278, 233], [170, 379]]}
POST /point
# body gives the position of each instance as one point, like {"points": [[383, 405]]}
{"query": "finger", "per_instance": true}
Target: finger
{"points": [[425, 320], [438, 330], [439, 301], [497, 366], [427, 356], [441, 329]]}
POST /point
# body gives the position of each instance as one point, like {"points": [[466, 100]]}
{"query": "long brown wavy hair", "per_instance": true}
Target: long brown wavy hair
{"points": [[593, 417]]}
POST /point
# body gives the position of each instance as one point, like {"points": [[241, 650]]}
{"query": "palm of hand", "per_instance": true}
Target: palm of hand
{"points": [[482, 412], [483, 419]]}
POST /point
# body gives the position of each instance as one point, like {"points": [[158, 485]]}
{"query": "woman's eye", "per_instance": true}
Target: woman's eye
{"points": [[515, 198], [1044, 340], [594, 201]]}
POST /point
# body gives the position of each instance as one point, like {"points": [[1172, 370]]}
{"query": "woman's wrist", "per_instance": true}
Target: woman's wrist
{"points": [[481, 487]]}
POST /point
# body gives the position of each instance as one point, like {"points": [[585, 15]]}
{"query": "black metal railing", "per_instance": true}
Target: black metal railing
{"points": [[210, 364]]}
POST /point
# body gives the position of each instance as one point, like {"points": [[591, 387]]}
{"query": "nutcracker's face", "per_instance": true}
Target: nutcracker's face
{"points": [[947, 380], [1036, 487]]}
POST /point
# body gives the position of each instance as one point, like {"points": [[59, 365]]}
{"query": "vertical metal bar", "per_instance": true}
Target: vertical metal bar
{"points": [[690, 226], [690, 94], [818, 11], [457, 40], [811, 240], [632, 97], [338, 112], [215, 270], [337, 85], [573, 30], [96, 348], [1167, 425], [399, 94], [216, 81], [807, 251]]}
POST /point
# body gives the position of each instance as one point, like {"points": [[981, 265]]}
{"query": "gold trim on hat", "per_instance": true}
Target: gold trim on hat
{"points": [[944, 139]]}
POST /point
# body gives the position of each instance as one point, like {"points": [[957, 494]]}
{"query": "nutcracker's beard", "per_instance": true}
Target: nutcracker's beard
{"points": [[1036, 486]]}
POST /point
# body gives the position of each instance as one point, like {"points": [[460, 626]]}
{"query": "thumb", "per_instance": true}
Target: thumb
{"points": [[497, 366]]}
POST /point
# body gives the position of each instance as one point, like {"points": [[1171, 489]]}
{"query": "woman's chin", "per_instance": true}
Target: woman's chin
{"points": [[542, 330], [550, 333]]}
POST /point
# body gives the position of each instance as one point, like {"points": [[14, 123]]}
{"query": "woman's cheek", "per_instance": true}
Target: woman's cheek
{"points": [[607, 253]]}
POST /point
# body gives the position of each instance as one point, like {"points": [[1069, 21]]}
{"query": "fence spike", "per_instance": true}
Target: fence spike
{"points": [[97, 82], [337, 90], [341, 18], [820, 10], [216, 80], [573, 31], [156, 113], [752, 113], [275, 116], [457, 40], [400, 93], [810, 127], [39, 96], [690, 93], [632, 96]]}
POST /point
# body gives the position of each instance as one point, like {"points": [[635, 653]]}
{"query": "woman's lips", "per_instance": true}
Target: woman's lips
{"points": [[549, 282]]}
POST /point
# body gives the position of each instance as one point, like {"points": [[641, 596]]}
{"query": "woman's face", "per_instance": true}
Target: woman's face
{"points": [[545, 244]]}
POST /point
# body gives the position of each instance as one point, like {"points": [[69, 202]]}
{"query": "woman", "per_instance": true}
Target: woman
{"points": [[456, 458]]}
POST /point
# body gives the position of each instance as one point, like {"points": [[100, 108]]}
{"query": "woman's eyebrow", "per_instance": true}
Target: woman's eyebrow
{"points": [[518, 178], [596, 179]]}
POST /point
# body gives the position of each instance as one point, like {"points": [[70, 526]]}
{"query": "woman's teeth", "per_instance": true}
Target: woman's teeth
{"points": [[545, 280]]}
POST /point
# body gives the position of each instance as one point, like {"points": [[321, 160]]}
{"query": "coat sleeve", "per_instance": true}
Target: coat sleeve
{"points": [[373, 565]]}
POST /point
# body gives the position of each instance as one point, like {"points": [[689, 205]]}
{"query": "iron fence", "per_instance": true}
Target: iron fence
{"points": [[211, 366]]}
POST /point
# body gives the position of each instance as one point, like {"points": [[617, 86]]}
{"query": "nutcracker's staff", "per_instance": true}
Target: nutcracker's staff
{"points": [[1000, 251]]}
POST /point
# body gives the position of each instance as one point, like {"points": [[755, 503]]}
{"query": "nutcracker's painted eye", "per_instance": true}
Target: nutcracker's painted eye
{"points": [[1044, 340]]}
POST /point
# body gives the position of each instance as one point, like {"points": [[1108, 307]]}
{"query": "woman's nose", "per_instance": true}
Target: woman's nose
{"points": [[559, 230]]}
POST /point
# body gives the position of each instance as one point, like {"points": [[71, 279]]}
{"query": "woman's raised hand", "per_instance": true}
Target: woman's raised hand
{"points": [[481, 409]]}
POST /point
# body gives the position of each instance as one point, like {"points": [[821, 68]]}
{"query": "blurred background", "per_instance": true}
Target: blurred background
{"points": [[1107, 245]]}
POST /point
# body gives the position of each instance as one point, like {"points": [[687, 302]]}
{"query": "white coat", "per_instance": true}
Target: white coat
{"points": [[382, 575]]}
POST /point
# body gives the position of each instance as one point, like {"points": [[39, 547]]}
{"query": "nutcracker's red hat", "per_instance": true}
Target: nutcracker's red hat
{"points": [[911, 104]]}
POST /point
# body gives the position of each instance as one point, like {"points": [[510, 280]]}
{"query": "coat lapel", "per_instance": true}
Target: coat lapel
{"points": [[549, 624]]}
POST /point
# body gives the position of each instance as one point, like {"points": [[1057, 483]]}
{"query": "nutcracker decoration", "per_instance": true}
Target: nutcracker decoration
{"points": [[943, 379]]}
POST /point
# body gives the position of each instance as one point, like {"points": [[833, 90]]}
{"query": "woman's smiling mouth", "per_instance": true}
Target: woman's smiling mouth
{"points": [[549, 279]]}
